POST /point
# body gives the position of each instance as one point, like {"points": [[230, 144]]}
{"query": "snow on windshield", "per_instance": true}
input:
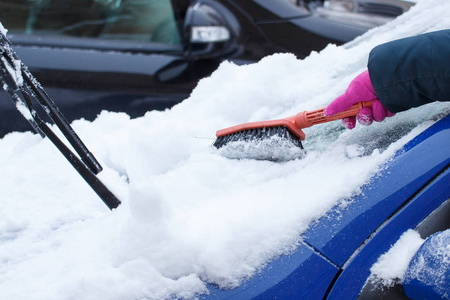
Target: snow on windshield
{"points": [[190, 216]]}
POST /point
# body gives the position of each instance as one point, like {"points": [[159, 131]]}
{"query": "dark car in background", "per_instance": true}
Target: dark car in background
{"points": [[139, 55]]}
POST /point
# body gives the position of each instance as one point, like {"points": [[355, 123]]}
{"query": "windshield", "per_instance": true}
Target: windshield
{"points": [[136, 20]]}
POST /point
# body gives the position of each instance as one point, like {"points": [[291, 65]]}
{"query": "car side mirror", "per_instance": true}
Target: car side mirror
{"points": [[210, 31]]}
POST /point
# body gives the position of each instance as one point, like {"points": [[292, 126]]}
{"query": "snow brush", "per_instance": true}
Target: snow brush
{"points": [[276, 140], [25, 90]]}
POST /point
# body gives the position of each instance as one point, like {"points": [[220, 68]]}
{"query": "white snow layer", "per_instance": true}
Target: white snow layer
{"points": [[392, 266], [189, 215], [3, 30]]}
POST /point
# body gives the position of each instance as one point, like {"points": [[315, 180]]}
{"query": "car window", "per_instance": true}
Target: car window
{"points": [[136, 20]]}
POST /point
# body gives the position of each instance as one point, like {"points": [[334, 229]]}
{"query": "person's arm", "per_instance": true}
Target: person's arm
{"points": [[413, 71], [401, 74]]}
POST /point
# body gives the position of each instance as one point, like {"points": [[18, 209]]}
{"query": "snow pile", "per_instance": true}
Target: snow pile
{"points": [[188, 214], [392, 266], [422, 266]]}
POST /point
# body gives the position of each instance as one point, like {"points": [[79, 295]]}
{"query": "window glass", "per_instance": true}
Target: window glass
{"points": [[138, 20]]}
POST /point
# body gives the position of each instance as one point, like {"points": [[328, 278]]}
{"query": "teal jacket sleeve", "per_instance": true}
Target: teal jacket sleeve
{"points": [[413, 71]]}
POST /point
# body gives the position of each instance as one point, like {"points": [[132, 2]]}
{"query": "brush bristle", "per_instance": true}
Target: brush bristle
{"points": [[258, 134], [268, 143]]}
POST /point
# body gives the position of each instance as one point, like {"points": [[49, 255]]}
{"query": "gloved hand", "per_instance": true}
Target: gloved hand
{"points": [[360, 89]]}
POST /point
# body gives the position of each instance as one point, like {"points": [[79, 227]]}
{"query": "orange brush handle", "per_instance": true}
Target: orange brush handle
{"points": [[309, 118], [298, 122]]}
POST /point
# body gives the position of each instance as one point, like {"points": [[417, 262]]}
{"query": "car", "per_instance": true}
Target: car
{"points": [[134, 56], [334, 257]]}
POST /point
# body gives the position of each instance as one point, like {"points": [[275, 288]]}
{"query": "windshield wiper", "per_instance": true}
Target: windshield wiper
{"points": [[22, 87]]}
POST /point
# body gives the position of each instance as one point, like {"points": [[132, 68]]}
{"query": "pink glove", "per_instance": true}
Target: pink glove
{"points": [[360, 89]]}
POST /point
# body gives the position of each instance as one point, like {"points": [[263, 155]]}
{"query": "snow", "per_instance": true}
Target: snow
{"points": [[14, 71], [3, 30], [391, 267], [190, 216]]}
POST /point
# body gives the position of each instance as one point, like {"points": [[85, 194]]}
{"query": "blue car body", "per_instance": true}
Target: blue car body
{"points": [[336, 254]]}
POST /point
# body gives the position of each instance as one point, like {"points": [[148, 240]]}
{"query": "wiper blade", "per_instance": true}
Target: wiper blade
{"points": [[22, 87]]}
